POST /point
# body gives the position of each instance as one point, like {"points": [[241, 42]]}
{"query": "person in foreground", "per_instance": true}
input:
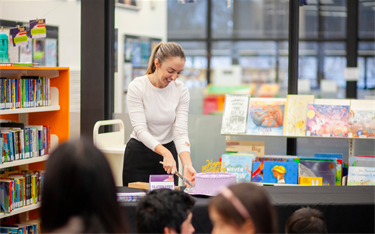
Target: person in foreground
{"points": [[165, 211], [306, 220], [79, 193], [242, 208]]}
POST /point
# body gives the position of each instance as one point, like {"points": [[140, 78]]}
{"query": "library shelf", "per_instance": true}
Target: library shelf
{"points": [[24, 161], [20, 210]]}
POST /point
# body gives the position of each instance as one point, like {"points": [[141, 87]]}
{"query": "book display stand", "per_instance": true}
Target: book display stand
{"points": [[56, 116]]}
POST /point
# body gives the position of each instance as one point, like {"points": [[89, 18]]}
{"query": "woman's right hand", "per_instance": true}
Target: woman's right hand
{"points": [[169, 164]]}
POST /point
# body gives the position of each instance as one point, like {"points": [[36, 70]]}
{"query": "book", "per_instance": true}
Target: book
{"points": [[276, 158], [130, 197], [295, 114], [235, 113], [257, 175], [361, 162], [362, 119], [240, 165], [233, 146], [315, 168], [310, 181], [327, 120], [280, 172], [361, 176], [266, 116]]}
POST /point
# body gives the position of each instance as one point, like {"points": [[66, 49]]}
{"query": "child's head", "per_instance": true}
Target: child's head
{"points": [[242, 208], [306, 220], [79, 183]]}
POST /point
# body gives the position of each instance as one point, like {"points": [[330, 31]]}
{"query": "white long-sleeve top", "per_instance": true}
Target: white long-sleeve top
{"points": [[159, 115]]}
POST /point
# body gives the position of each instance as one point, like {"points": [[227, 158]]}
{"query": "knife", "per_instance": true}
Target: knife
{"points": [[182, 177]]}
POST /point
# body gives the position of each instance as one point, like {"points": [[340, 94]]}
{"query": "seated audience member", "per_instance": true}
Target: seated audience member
{"points": [[242, 208], [165, 211], [306, 220], [79, 193]]}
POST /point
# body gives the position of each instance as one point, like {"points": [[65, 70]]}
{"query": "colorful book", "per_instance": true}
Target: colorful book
{"points": [[295, 114], [361, 162], [235, 113], [266, 116], [310, 181], [276, 158], [257, 175], [362, 119], [240, 165], [327, 120], [314, 168], [361, 176], [280, 172]]}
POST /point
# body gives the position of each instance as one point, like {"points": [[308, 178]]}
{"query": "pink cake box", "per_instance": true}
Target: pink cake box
{"points": [[209, 184]]}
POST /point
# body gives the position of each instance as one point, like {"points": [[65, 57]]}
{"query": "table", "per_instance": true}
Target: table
{"points": [[347, 209]]}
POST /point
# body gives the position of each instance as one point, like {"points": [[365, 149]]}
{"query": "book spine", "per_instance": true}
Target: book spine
{"points": [[11, 146], [33, 189], [13, 90], [40, 138], [27, 143], [22, 143], [15, 146], [1, 149]]}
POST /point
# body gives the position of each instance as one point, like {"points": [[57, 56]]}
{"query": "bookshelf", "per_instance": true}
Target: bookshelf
{"points": [[56, 116]]}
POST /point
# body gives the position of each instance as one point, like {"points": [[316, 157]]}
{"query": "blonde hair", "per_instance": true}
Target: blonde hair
{"points": [[162, 52]]}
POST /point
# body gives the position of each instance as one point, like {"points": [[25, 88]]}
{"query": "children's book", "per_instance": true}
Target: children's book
{"points": [[328, 155], [361, 176], [235, 113], [241, 147], [362, 119], [257, 175], [310, 181], [314, 168], [280, 172], [295, 114], [361, 162], [240, 165], [327, 120], [266, 116], [277, 158]]}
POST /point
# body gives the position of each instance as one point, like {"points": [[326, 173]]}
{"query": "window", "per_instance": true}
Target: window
{"points": [[366, 19]]}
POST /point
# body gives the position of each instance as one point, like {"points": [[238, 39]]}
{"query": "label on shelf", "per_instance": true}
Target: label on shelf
{"points": [[350, 135], [326, 135], [308, 133], [362, 136]]}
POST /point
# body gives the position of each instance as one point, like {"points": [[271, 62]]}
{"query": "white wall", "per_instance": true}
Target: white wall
{"points": [[64, 14], [150, 21]]}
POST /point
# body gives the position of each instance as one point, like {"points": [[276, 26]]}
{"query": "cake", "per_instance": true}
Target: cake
{"points": [[210, 183]]}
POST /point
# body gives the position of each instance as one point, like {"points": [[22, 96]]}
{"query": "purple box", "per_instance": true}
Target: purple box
{"points": [[161, 181]]}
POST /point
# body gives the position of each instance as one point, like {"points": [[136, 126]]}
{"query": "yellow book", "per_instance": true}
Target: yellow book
{"points": [[296, 114], [311, 181]]}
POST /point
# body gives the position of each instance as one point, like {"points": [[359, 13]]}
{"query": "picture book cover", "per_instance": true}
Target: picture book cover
{"points": [[327, 120], [276, 158], [257, 175], [361, 176], [235, 113], [310, 181], [280, 172], [266, 116], [328, 155], [295, 114], [239, 165], [362, 123], [314, 168], [361, 162]]}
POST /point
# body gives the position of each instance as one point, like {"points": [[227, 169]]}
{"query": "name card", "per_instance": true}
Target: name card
{"points": [[161, 182]]}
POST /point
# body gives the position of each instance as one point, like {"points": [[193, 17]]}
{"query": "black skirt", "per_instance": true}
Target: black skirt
{"points": [[140, 162]]}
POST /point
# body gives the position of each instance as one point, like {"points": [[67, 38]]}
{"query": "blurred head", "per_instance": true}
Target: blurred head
{"points": [[165, 211], [242, 208], [166, 63], [306, 220], [79, 183]]}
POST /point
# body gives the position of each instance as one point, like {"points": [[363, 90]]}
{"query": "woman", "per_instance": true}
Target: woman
{"points": [[158, 107], [79, 193], [242, 208]]}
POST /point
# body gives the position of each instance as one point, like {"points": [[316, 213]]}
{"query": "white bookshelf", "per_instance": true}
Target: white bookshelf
{"points": [[24, 161], [20, 210]]}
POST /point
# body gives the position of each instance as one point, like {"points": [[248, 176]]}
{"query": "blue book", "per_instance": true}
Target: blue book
{"points": [[280, 172], [324, 155], [257, 175], [239, 165]]}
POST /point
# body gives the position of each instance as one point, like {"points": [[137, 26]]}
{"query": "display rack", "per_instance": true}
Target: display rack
{"points": [[351, 140], [56, 116]]}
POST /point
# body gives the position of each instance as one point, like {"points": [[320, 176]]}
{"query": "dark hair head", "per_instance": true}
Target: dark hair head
{"points": [[79, 182], [306, 220], [163, 208], [255, 200], [162, 52]]}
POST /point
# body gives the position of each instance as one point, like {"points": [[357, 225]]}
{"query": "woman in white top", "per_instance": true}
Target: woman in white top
{"points": [[158, 107]]}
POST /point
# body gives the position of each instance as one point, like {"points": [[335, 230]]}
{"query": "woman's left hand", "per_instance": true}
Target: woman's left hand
{"points": [[189, 174]]}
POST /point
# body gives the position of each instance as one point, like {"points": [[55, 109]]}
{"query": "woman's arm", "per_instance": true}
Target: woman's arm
{"points": [[180, 134]]}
